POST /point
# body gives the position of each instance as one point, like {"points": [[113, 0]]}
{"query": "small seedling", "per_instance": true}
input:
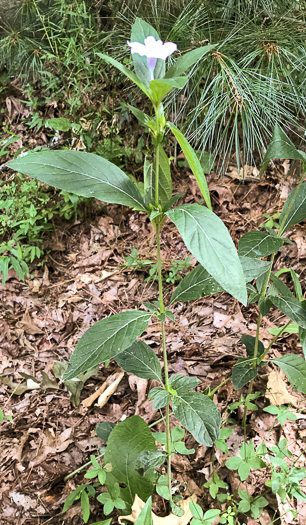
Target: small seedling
{"points": [[199, 518], [282, 413]]}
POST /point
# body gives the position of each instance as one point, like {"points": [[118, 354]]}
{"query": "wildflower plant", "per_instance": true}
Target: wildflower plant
{"points": [[133, 471]]}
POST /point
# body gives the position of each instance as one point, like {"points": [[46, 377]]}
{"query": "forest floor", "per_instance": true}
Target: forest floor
{"points": [[84, 281]]}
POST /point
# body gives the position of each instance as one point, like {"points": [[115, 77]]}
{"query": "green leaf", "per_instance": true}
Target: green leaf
{"points": [[196, 510], [195, 285], [129, 74], [294, 367], [125, 443], [281, 147], [249, 342], [150, 459], [145, 517], [199, 415], [243, 373], [291, 329], [207, 238], [160, 397], [162, 487], [186, 61], [160, 88], [294, 309], [278, 287], [104, 429], [85, 506], [253, 268], [211, 514], [193, 162], [258, 244], [140, 31], [81, 173], [140, 115], [182, 383], [165, 180], [302, 336], [264, 305], [141, 360], [106, 339], [58, 124], [294, 210]]}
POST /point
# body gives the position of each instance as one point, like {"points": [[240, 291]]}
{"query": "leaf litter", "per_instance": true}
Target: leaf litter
{"points": [[82, 283]]}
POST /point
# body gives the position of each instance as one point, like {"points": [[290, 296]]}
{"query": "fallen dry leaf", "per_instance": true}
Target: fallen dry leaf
{"points": [[277, 392], [167, 520], [110, 390]]}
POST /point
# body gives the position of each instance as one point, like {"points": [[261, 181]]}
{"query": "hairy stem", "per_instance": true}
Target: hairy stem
{"points": [[165, 357]]}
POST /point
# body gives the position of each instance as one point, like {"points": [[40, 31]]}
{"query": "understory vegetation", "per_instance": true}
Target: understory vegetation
{"points": [[121, 121]]}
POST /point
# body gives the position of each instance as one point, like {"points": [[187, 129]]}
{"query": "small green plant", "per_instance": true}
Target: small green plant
{"points": [[111, 500], [27, 215], [83, 493], [282, 413], [175, 273], [4, 416], [199, 518]]}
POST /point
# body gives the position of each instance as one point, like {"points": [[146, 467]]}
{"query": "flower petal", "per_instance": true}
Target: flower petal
{"points": [[153, 48], [137, 47]]}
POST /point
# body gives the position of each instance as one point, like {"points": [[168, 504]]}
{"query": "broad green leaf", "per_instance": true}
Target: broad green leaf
{"points": [[196, 510], [104, 429], [294, 210], [294, 309], [145, 517], [160, 397], [208, 239], [141, 360], [81, 173], [129, 74], [187, 60], [58, 124], [148, 182], [182, 383], [242, 374], [140, 115], [165, 180], [126, 442], [302, 336], [249, 342], [281, 147], [258, 244], [292, 328], [193, 162], [264, 305], [294, 367], [199, 415], [150, 459], [253, 268], [106, 339], [140, 31], [278, 287], [160, 88], [195, 285]]}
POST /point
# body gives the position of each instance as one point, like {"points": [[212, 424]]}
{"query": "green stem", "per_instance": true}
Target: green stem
{"points": [[165, 357], [275, 338], [80, 468], [156, 174], [211, 394]]}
